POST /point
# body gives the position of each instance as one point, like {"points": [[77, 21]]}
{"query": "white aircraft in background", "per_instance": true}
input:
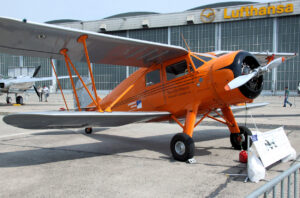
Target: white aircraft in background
{"points": [[20, 84]]}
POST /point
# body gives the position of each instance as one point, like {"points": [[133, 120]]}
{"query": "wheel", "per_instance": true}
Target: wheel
{"points": [[182, 147], [88, 130], [8, 100], [19, 100], [239, 140]]}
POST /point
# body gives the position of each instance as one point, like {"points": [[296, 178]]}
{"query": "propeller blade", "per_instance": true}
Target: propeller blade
{"points": [[36, 91], [239, 81], [273, 64], [36, 71]]}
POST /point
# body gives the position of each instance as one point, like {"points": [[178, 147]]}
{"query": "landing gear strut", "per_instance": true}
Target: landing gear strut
{"points": [[239, 140], [182, 147], [88, 130]]}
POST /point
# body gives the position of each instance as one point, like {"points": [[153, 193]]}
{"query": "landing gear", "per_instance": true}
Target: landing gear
{"points": [[88, 130], [239, 140], [8, 100], [182, 147], [19, 100]]}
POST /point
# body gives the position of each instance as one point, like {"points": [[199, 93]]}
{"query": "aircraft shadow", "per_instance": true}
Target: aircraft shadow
{"points": [[108, 145]]}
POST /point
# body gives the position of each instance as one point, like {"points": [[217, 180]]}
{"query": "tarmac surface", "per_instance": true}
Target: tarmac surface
{"points": [[133, 160]]}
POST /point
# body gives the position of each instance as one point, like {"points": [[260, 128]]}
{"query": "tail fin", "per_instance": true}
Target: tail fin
{"points": [[36, 71]]}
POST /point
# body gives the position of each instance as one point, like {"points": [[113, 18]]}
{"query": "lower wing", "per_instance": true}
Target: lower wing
{"points": [[77, 119]]}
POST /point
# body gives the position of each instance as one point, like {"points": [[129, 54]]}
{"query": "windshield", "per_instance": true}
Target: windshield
{"points": [[197, 62]]}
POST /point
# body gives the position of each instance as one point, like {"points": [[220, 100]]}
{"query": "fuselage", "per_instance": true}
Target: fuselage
{"points": [[179, 84], [15, 85]]}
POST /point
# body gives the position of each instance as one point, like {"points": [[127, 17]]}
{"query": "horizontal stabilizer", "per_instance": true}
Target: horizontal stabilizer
{"points": [[77, 119]]}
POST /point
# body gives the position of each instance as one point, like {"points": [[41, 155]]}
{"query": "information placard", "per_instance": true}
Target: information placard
{"points": [[271, 146]]}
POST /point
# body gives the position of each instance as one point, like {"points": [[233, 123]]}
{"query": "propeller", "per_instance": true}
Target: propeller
{"points": [[36, 71], [36, 91], [243, 79]]}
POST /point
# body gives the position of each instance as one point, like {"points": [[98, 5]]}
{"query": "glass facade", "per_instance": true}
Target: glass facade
{"points": [[200, 38], [289, 41], [45, 71], [159, 35], [251, 35], [7, 61]]}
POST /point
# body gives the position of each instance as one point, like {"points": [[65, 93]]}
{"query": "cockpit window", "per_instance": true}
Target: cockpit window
{"points": [[198, 63], [153, 77], [176, 70], [205, 58]]}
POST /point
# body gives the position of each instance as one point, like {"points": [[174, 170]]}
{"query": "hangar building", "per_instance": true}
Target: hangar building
{"points": [[254, 27]]}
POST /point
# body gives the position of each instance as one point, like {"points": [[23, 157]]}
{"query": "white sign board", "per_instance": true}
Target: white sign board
{"points": [[271, 146]]}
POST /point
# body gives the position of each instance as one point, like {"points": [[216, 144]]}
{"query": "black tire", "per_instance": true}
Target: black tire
{"points": [[88, 130], [182, 147], [8, 100], [236, 138], [19, 100]]}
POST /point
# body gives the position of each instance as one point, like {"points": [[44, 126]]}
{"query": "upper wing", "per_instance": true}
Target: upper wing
{"points": [[77, 119], [44, 40], [262, 56]]}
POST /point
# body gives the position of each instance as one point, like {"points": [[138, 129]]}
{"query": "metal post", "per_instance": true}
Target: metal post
{"points": [[127, 67], [289, 187], [275, 48], [54, 80], [274, 192], [296, 184], [21, 61], [282, 189], [169, 35]]}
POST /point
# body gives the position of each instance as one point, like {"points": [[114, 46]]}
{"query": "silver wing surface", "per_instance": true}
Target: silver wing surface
{"points": [[27, 80], [77, 119], [261, 56], [45, 40]]}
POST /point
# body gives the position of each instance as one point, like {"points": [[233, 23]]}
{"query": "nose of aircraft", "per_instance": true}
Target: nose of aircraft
{"points": [[242, 67]]}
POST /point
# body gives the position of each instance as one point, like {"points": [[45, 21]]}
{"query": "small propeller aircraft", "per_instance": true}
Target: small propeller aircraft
{"points": [[20, 84], [172, 83]]}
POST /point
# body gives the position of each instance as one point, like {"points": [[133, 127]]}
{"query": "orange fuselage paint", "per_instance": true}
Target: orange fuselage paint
{"points": [[203, 87]]}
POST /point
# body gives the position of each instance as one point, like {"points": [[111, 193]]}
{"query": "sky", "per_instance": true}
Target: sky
{"points": [[87, 10]]}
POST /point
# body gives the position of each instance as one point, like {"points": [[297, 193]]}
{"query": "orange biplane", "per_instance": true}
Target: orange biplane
{"points": [[172, 83]]}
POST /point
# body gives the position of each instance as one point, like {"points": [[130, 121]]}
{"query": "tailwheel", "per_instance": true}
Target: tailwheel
{"points": [[8, 100], [88, 130], [19, 100], [239, 140], [182, 147]]}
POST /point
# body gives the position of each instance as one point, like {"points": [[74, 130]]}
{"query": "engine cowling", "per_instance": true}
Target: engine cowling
{"points": [[242, 64]]}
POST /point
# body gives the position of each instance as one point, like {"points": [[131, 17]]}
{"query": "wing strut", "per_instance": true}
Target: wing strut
{"points": [[68, 61], [82, 39], [59, 84], [64, 53]]}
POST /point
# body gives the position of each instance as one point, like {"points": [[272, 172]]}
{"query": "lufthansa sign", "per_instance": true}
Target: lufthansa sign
{"points": [[207, 15], [249, 11]]}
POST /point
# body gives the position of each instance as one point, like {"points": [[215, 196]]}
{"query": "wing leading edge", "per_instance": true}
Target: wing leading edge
{"points": [[45, 40]]}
